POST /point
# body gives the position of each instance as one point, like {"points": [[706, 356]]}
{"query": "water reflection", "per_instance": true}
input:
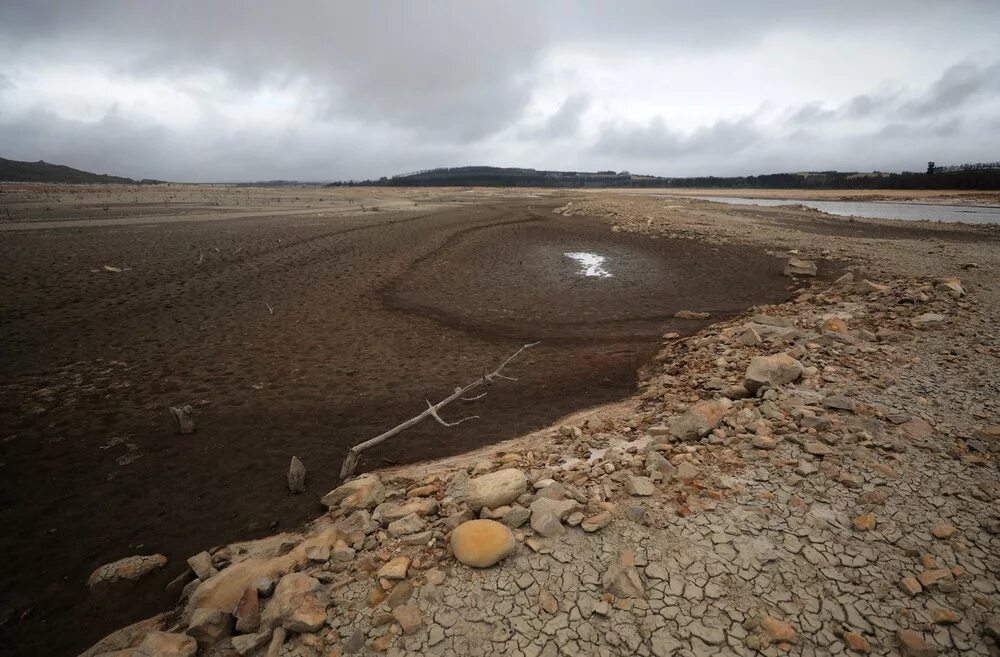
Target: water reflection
{"points": [[591, 264]]}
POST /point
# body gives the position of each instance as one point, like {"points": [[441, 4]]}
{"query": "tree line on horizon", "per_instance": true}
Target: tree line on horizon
{"points": [[970, 176]]}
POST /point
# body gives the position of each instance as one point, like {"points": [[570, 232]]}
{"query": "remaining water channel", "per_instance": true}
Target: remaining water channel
{"points": [[878, 209]]}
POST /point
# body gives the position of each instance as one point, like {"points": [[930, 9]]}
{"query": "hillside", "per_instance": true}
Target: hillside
{"points": [[44, 172], [984, 176]]}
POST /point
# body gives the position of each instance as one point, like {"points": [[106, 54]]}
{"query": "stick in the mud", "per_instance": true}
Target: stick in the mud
{"points": [[351, 460]]}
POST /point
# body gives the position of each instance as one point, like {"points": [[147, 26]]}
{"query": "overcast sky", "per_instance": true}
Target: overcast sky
{"points": [[315, 90]]}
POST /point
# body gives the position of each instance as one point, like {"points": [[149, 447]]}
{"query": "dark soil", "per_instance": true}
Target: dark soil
{"points": [[372, 315]]}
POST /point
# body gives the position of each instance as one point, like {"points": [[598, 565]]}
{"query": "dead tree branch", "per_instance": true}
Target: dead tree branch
{"points": [[351, 460]]}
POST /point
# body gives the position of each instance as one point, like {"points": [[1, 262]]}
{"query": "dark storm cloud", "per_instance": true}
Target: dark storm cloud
{"points": [[319, 89]]}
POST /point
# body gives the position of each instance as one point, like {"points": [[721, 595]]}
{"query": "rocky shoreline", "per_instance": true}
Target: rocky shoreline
{"points": [[815, 477]]}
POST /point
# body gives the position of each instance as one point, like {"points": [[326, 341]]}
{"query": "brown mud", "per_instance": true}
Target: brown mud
{"points": [[372, 314]]}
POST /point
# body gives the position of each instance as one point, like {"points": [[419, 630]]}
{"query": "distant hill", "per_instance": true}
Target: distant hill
{"points": [[44, 172], [965, 176]]}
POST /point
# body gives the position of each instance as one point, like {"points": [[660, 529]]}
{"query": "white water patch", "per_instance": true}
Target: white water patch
{"points": [[591, 264]]}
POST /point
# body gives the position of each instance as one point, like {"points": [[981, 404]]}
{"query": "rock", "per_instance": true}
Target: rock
{"points": [[622, 577], [389, 511], [201, 564], [296, 476], [774, 630], [495, 489], [690, 314], [868, 287], [687, 471], [749, 337], [482, 543], [247, 643], [834, 325], [817, 449], [945, 616], [774, 321], [915, 429], [277, 640], [395, 568], [209, 626], [546, 523], [408, 617], [991, 627], [950, 286], [864, 522], [943, 530], [183, 416], [840, 402], [764, 442], [856, 642], [247, 611], [547, 602], [597, 521], [295, 605], [342, 553], [517, 516], [698, 420], [129, 569], [434, 576], [656, 462], [399, 595], [411, 524], [265, 586], [912, 644], [910, 585], [849, 480], [798, 267], [318, 553], [928, 320], [641, 486], [365, 492], [772, 371], [932, 576], [166, 644]]}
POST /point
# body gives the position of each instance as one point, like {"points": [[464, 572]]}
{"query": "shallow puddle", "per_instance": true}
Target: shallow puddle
{"points": [[591, 264]]}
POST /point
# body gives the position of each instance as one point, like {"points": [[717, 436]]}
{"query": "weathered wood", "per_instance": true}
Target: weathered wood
{"points": [[351, 460]]}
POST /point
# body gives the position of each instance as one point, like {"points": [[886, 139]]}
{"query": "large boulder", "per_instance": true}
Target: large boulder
{"points": [[771, 371], [495, 489], [129, 569], [698, 420], [482, 543], [365, 492], [295, 605]]}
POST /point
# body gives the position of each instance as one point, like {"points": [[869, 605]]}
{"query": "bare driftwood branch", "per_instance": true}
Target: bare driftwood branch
{"points": [[270, 308], [351, 460]]}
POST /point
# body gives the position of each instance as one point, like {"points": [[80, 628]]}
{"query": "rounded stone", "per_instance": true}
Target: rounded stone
{"points": [[482, 543]]}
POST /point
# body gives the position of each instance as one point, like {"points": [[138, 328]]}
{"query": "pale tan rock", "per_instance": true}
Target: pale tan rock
{"points": [[495, 489], [129, 569], [365, 492], [774, 630], [912, 644], [482, 543], [209, 626], [799, 267], [698, 420], [772, 371], [395, 568], [295, 605], [166, 644], [408, 617]]}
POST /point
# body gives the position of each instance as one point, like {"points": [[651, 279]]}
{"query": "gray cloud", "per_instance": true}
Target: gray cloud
{"points": [[656, 140], [959, 85], [317, 89], [564, 122]]}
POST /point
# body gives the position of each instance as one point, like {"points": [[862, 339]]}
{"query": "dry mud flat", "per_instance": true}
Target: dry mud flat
{"points": [[813, 477], [106, 322]]}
